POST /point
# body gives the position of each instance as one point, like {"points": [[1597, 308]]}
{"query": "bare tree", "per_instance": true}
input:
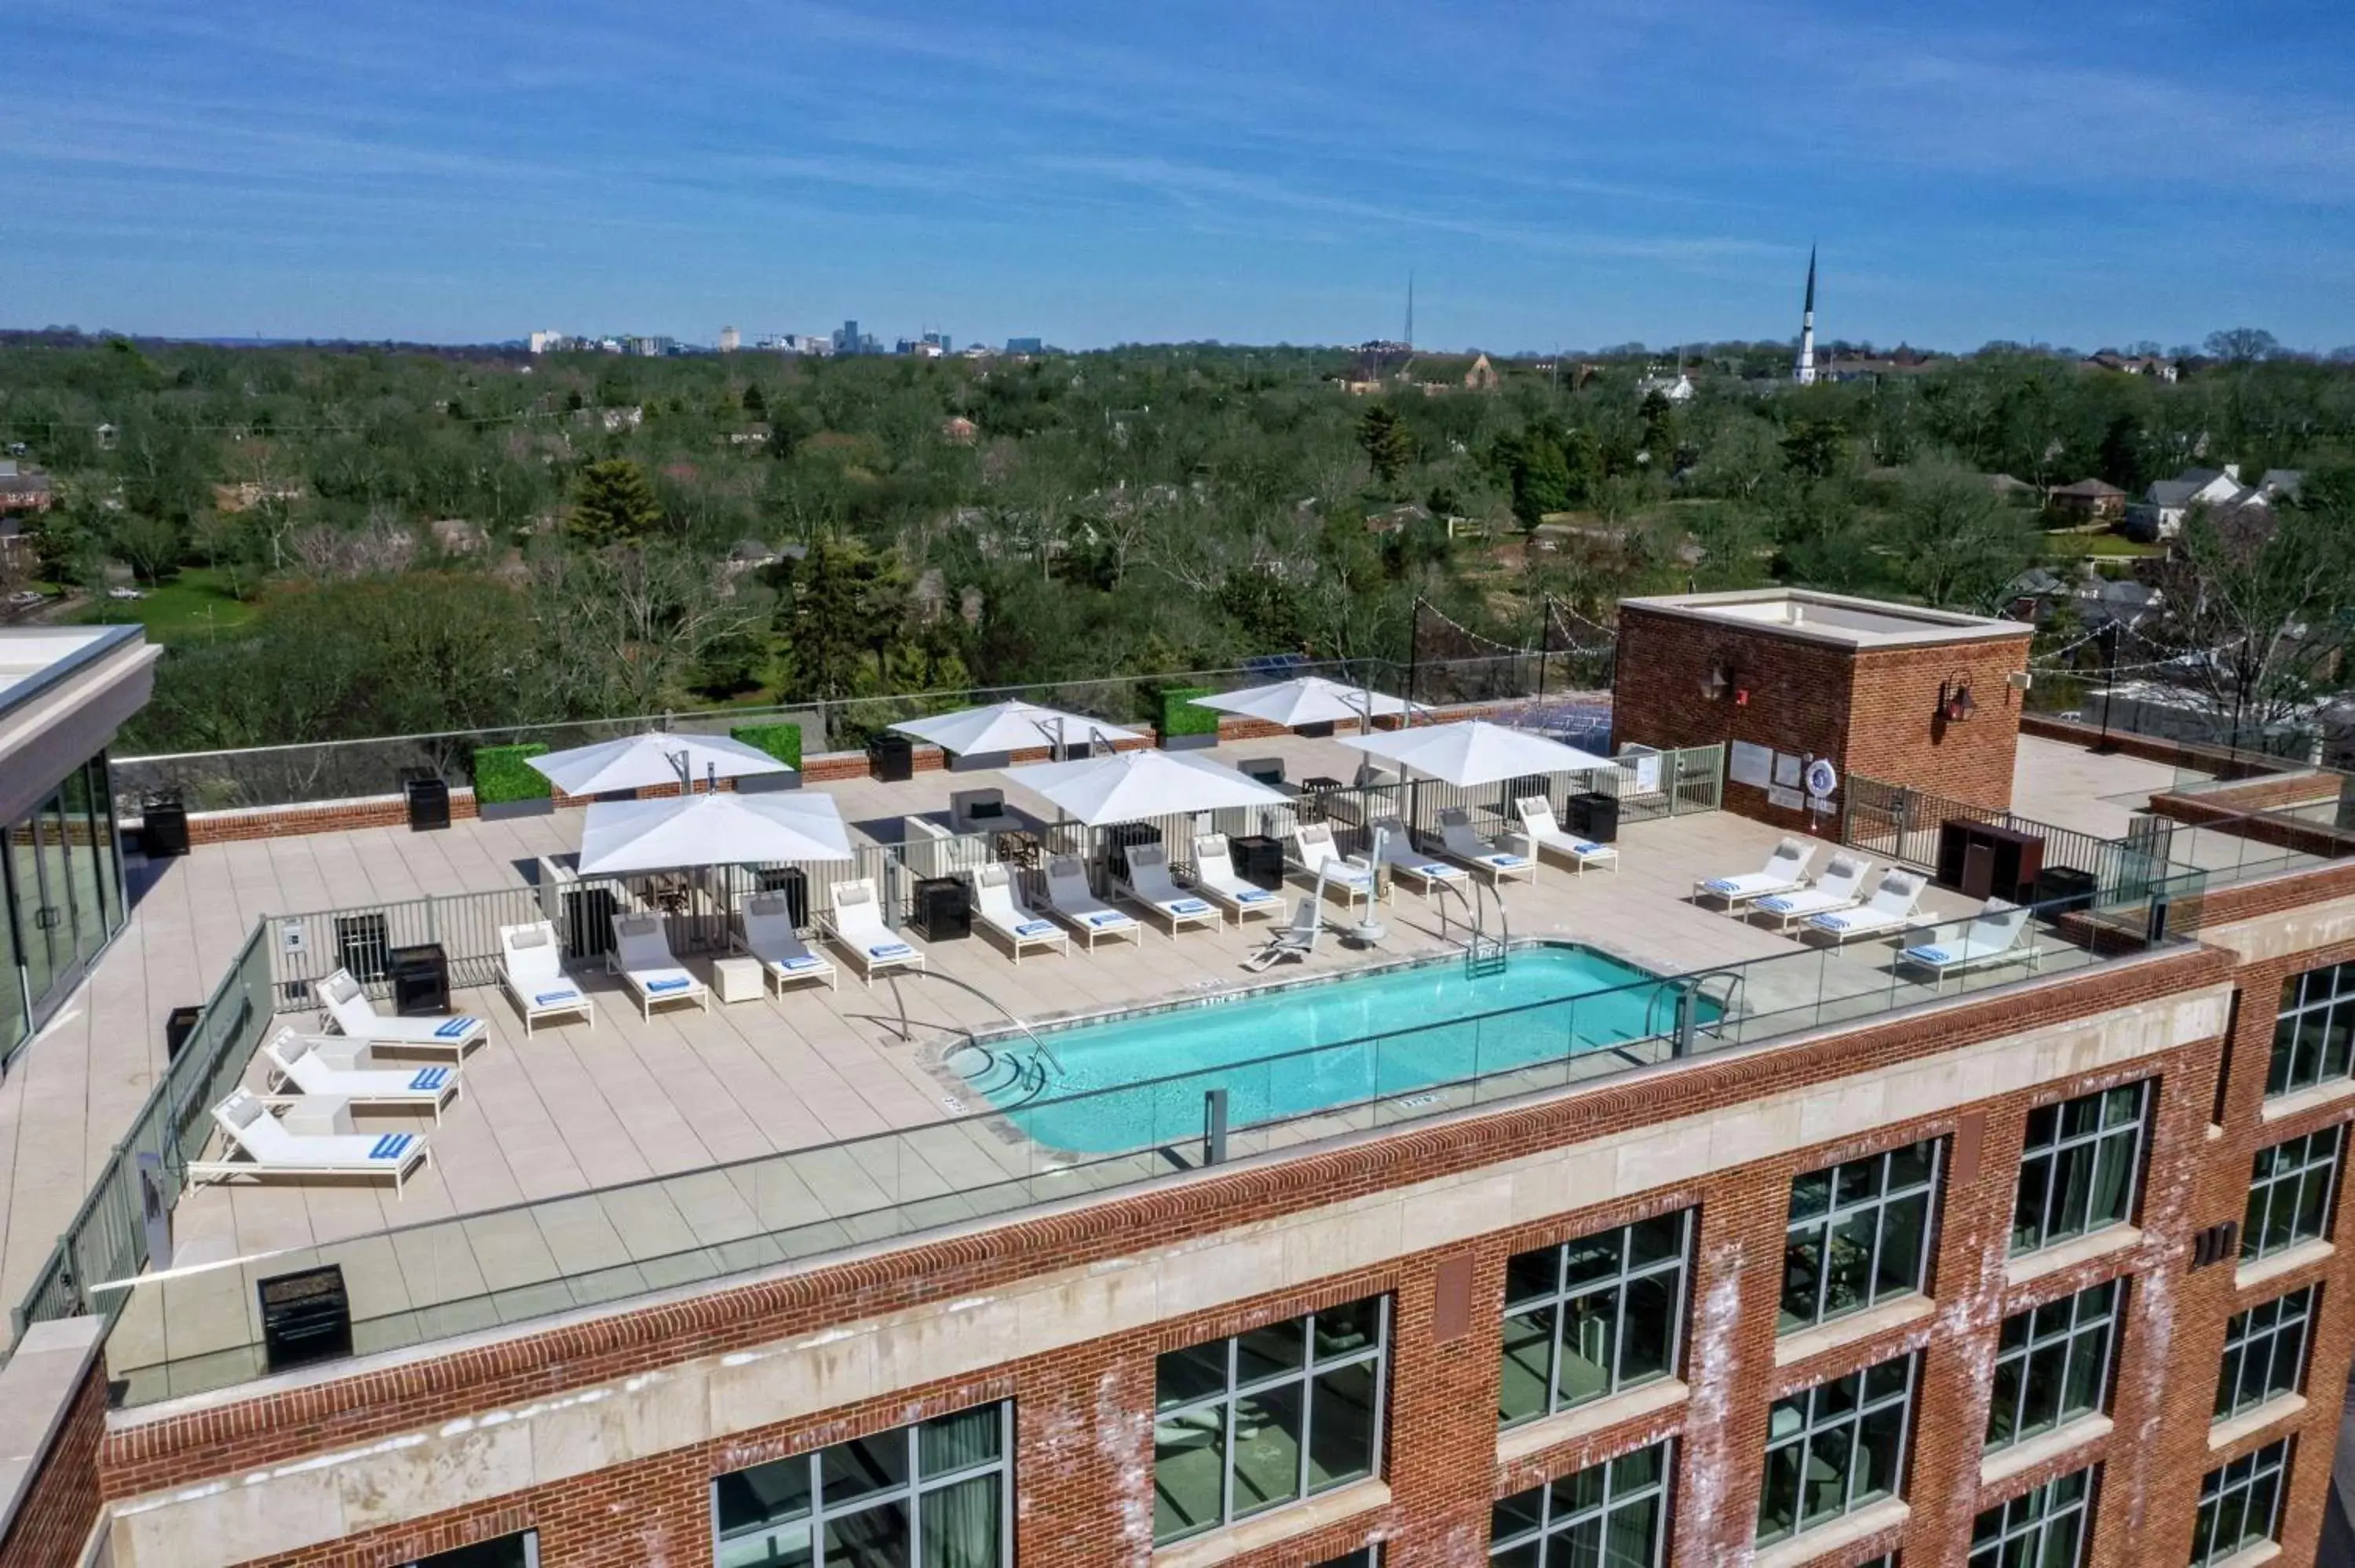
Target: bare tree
{"points": [[2249, 609]]}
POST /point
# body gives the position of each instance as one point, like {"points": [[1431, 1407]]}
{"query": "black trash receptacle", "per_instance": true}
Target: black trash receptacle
{"points": [[2063, 888], [1258, 859], [178, 1024], [589, 922], [428, 804], [421, 980], [163, 827], [1594, 815], [941, 908], [891, 759], [794, 883], [1120, 836]]}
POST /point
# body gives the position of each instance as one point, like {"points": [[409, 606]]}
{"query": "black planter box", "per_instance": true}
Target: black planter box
{"points": [[1595, 816], [178, 1024]]}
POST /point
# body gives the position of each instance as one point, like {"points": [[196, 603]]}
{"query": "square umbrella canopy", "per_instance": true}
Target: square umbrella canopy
{"points": [[1311, 699], [649, 761], [1009, 726], [1474, 752], [676, 834], [1128, 786]]}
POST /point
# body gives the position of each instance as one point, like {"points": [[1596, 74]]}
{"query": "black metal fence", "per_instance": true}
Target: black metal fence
{"points": [[1907, 825]]}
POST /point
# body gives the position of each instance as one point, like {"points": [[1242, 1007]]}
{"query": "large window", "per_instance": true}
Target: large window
{"points": [[2314, 1031], [1268, 1416], [1366, 1556], [1835, 1447], [2053, 1364], [2044, 1527], [2265, 1352], [1591, 1317], [2078, 1170], [935, 1495], [1615, 1513], [1859, 1234], [507, 1551], [2289, 1193], [2240, 1504]]}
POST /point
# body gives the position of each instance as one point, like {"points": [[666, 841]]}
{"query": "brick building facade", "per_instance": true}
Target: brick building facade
{"points": [[1892, 1287]]}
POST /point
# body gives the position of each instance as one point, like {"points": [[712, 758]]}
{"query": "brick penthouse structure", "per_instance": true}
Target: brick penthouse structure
{"points": [[1713, 1241]]}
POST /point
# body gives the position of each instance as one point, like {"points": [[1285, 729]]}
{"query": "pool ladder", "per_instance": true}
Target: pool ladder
{"points": [[1483, 955], [1687, 992]]}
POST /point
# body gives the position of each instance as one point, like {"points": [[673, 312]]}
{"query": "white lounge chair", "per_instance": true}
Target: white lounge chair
{"points": [[644, 959], [348, 1006], [343, 1068], [1469, 849], [1294, 942], [855, 925], [767, 933], [1841, 886], [1889, 910], [1992, 937], [1150, 884], [1316, 857], [1214, 877], [1395, 848], [1785, 871], [270, 1150], [1547, 838], [532, 968], [1020, 930], [1070, 901]]}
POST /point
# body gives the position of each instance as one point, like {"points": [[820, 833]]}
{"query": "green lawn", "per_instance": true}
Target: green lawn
{"points": [[2067, 547], [189, 608]]}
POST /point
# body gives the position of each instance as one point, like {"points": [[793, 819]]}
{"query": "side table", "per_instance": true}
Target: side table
{"points": [[737, 980]]}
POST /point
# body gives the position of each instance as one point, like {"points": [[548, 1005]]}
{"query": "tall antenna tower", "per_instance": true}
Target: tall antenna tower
{"points": [[1408, 339]]}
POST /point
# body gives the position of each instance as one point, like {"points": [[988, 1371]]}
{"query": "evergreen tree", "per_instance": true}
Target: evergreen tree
{"points": [[1388, 446], [612, 502]]}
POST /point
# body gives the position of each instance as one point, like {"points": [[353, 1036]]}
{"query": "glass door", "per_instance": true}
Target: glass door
{"points": [[14, 1021], [25, 901], [85, 867]]}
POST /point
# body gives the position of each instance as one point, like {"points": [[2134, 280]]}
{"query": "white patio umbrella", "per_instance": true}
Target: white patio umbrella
{"points": [[1009, 726], [647, 761], [679, 834], [1474, 752], [1128, 786], [1310, 699]]}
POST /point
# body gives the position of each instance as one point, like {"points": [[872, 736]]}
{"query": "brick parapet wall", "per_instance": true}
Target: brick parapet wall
{"points": [[54, 1521]]}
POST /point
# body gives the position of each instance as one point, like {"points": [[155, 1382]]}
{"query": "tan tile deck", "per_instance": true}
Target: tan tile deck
{"points": [[573, 1108]]}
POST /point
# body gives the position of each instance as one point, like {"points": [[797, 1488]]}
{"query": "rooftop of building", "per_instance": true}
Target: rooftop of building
{"points": [[1858, 623], [583, 1163], [34, 658]]}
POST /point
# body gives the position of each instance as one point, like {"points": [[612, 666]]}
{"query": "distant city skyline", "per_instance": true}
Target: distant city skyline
{"points": [[1592, 175]]}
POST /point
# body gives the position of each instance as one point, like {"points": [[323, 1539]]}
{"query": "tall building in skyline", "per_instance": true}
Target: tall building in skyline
{"points": [[730, 340], [1804, 372]]}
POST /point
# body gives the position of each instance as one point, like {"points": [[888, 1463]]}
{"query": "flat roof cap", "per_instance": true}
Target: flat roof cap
{"points": [[1837, 619]]}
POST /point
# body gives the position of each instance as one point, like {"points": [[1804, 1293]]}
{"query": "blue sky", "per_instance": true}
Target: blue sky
{"points": [[2088, 172]]}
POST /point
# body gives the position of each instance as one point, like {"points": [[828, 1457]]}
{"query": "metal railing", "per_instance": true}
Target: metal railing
{"points": [[108, 1235], [197, 1331], [1908, 825]]}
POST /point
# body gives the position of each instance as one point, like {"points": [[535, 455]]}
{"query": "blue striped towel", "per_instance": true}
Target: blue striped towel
{"points": [[1186, 906], [429, 1079], [1722, 884], [888, 951], [1931, 955], [1500, 858], [1254, 895], [1833, 922], [457, 1026], [807, 961], [392, 1146], [1107, 917], [1437, 870], [1776, 905], [675, 982], [550, 998], [1035, 928]]}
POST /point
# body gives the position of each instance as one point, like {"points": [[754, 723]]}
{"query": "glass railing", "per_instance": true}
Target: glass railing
{"points": [[198, 1329]]}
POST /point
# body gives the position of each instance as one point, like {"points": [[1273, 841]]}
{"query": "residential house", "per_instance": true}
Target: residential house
{"points": [[2149, 364], [2168, 501], [959, 431], [22, 488], [1677, 389], [2090, 499]]}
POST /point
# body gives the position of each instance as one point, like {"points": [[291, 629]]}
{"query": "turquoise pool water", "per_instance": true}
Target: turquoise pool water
{"points": [[1430, 1019]]}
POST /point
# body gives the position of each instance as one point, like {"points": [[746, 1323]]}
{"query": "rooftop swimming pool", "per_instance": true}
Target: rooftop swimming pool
{"points": [[1135, 1080]]}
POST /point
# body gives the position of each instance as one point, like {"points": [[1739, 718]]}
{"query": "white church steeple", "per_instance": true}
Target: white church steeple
{"points": [[1804, 372]]}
